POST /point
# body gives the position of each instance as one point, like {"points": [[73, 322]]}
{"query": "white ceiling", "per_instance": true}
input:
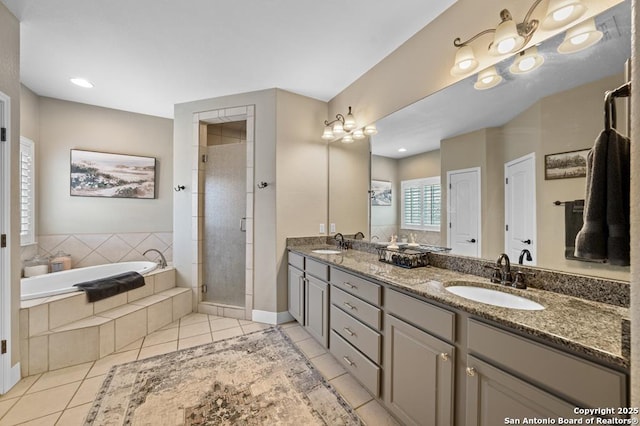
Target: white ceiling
{"points": [[460, 108], [147, 55]]}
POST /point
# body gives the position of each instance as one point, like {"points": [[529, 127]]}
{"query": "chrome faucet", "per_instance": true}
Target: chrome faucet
{"points": [[504, 264], [358, 234], [522, 256], [162, 262]]}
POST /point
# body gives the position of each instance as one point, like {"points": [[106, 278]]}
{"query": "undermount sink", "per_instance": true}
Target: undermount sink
{"points": [[494, 297], [325, 251]]}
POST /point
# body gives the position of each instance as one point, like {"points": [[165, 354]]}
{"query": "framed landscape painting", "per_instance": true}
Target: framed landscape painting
{"points": [[380, 193], [572, 164], [100, 174]]}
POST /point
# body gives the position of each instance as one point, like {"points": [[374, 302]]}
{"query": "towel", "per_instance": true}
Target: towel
{"points": [[573, 212], [110, 286], [605, 232]]}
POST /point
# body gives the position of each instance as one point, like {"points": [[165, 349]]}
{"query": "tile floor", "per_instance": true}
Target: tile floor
{"points": [[63, 397]]}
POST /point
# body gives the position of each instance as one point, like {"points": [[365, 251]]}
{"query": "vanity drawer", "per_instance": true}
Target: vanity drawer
{"points": [[430, 318], [573, 378], [355, 285], [296, 260], [357, 364], [359, 335], [357, 308], [317, 269]]}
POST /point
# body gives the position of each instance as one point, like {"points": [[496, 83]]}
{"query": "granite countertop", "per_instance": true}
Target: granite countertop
{"points": [[583, 326]]}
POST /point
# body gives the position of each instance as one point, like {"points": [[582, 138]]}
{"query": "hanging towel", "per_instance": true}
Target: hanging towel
{"points": [[573, 212], [605, 232]]}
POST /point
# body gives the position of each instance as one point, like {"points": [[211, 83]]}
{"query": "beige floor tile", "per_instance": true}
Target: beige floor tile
{"points": [[190, 342], [193, 318], [297, 333], [194, 329], [289, 324], [62, 376], [74, 416], [162, 336], [103, 365], [246, 322], [39, 404], [21, 387], [87, 391], [328, 366], [174, 324], [374, 414], [223, 324], [132, 346], [311, 348], [6, 404], [227, 333], [253, 326], [351, 390], [214, 317], [160, 349], [49, 420]]}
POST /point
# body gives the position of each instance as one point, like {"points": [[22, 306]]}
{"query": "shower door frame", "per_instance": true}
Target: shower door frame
{"points": [[200, 120]]}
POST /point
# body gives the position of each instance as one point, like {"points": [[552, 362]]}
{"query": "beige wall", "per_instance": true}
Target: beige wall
{"points": [[10, 86], [30, 116]]}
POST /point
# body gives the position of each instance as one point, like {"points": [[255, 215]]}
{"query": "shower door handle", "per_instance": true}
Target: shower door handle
{"points": [[243, 224]]}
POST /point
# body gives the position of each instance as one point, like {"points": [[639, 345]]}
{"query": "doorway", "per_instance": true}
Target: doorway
{"points": [[520, 207], [463, 212]]}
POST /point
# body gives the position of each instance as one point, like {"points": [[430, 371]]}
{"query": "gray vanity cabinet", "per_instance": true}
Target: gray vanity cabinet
{"points": [[296, 286], [419, 386], [316, 299], [419, 366]]}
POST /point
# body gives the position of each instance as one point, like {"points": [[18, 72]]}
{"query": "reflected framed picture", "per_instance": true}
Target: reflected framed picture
{"points": [[380, 193], [564, 165], [101, 174]]}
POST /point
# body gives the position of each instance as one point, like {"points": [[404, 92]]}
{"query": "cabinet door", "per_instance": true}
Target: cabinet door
{"points": [[317, 309], [296, 294], [418, 375], [494, 397]]}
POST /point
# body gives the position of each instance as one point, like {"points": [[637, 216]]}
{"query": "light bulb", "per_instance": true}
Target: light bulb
{"points": [[370, 130], [527, 64], [579, 39], [347, 139], [338, 129], [505, 46], [358, 134], [563, 13], [349, 122], [487, 80], [328, 133]]}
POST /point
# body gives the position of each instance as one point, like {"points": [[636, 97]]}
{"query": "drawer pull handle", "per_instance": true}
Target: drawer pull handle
{"points": [[348, 284], [348, 305], [349, 332], [444, 356], [471, 371], [348, 361]]}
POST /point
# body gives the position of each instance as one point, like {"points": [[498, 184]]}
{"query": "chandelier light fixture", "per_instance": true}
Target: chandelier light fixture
{"points": [[511, 37], [346, 128]]}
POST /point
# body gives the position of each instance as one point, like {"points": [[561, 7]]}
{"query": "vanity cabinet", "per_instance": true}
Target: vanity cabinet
{"points": [[356, 323], [510, 375], [316, 300], [295, 289], [419, 367]]}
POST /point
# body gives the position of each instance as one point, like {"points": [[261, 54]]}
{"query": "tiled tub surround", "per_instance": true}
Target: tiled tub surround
{"points": [[66, 330], [590, 328], [98, 249]]}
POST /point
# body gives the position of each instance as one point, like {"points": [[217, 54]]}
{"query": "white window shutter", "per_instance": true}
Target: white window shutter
{"points": [[27, 192]]}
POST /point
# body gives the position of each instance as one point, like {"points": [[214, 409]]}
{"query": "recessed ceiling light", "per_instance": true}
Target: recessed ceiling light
{"points": [[402, 149], [81, 82]]}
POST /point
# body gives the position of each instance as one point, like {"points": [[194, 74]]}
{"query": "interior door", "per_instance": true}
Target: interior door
{"points": [[463, 212], [520, 208], [5, 299]]}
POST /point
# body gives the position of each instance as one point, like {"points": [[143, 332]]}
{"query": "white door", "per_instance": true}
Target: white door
{"points": [[5, 299], [464, 212], [520, 208]]}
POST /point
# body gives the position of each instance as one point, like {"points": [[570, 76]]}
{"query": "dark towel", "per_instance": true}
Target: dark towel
{"points": [[605, 232], [110, 286], [573, 211]]}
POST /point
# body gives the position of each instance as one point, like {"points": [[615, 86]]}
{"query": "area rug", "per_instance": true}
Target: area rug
{"points": [[257, 379]]}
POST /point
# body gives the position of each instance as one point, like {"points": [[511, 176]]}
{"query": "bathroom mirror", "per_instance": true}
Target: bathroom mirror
{"points": [[462, 128]]}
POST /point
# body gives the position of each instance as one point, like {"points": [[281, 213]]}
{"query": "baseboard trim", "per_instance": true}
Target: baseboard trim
{"points": [[269, 317]]}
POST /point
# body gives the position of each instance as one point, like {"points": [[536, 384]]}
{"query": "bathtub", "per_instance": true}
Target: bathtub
{"points": [[62, 282]]}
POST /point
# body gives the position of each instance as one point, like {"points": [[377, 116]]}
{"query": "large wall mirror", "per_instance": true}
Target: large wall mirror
{"points": [[530, 128]]}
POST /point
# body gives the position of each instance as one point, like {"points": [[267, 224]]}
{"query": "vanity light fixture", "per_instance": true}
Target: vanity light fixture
{"points": [[487, 79], [510, 37], [81, 82], [578, 38], [347, 126], [526, 61]]}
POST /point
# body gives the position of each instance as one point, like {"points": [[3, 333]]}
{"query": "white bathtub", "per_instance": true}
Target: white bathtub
{"points": [[63, 281]]}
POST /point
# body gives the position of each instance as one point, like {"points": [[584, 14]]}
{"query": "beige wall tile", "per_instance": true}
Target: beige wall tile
{"points": [[130, 328], [38, 319], [159, 315], [182, 305], [70, 309], [24, 323], [109, 303], [146, 290], [237, 313], [107, 338], [165, 280], [73, 347], [38, 354], [24, 357]]}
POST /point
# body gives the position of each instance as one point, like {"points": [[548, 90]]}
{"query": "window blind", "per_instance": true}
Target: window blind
{"points": [[27, 207], [421, 200]]}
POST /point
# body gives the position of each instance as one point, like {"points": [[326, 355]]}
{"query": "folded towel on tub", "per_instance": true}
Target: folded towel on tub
{"points": [[110, 286]]}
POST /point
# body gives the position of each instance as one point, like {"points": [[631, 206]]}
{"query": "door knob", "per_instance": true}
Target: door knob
{"points": [[526, 241], [473, 240]]}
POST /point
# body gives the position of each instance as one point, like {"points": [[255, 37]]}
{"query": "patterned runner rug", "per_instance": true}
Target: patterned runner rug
{"points": [[256, 379]]}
